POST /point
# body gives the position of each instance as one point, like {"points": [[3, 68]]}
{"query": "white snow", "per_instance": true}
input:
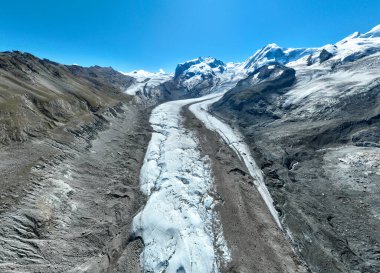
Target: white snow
{"points": [[375, 32], [272, 53], [205, 69], [180, 229], [145, 81], [348, 49], [318, 84], [356, 45], [325, 86], [236, 141]]}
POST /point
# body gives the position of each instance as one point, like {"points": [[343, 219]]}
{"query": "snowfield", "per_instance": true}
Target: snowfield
{"points": [[180, 229], [146, 82]]}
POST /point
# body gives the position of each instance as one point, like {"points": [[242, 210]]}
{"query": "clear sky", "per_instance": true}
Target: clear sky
{"points": [[154, 34]]}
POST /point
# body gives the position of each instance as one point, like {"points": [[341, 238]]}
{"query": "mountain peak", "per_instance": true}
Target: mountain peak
{"points": [[199, 66], [144, 74], [373, 33], [349, 37], [272, 46], [269, 54]]}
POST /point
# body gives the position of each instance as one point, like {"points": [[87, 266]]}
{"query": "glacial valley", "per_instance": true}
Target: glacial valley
{"points": [[270, 165]]}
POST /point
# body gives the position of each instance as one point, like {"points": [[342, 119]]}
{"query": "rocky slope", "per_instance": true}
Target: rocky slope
{"points": [[69, 174], [314, 128], [67, 202], [38, 95]]}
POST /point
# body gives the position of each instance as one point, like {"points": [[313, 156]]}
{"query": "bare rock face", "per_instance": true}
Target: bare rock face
{"points": [[323, 56], [253, 95]]}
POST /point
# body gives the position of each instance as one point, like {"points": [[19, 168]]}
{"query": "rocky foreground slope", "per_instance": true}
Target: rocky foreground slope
{"points": [[69, 185]]}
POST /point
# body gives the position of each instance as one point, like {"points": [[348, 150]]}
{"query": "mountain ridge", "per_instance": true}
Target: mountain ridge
{"points": [[202, 75]]}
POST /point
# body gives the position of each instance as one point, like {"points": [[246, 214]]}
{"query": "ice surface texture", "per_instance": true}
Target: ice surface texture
{"points": [[180, 229]]}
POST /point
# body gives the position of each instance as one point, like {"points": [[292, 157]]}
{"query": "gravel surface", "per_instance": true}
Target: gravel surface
{"points": [[67, 201], [256, 242]]}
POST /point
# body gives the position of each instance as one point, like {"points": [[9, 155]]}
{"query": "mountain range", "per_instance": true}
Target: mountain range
{"points": [[208, 75]]}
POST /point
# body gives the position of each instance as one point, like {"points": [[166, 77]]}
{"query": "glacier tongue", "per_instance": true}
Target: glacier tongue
{"points": [[180, 229]]}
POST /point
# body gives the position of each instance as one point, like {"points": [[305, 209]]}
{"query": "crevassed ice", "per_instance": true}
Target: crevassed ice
{"points": [[180, 229]]}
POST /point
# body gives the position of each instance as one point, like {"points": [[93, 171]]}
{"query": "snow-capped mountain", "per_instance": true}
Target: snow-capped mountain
{"points": [[200, 66], [202, 76], [272, 54], [348, 49], [193, 78], [207, 75], [146, 85]]}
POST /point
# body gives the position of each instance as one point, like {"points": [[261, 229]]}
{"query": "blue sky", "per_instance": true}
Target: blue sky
{"points": [[154, 34]]}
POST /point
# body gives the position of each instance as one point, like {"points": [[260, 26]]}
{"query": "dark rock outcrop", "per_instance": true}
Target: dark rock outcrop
{"points": [[253, 95]]}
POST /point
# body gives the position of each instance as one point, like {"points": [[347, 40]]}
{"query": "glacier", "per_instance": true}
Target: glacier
{"points": [[179, 226]]}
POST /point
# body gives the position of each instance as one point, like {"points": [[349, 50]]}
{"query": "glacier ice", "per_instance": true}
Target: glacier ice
{"points": [[179, 227]]}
